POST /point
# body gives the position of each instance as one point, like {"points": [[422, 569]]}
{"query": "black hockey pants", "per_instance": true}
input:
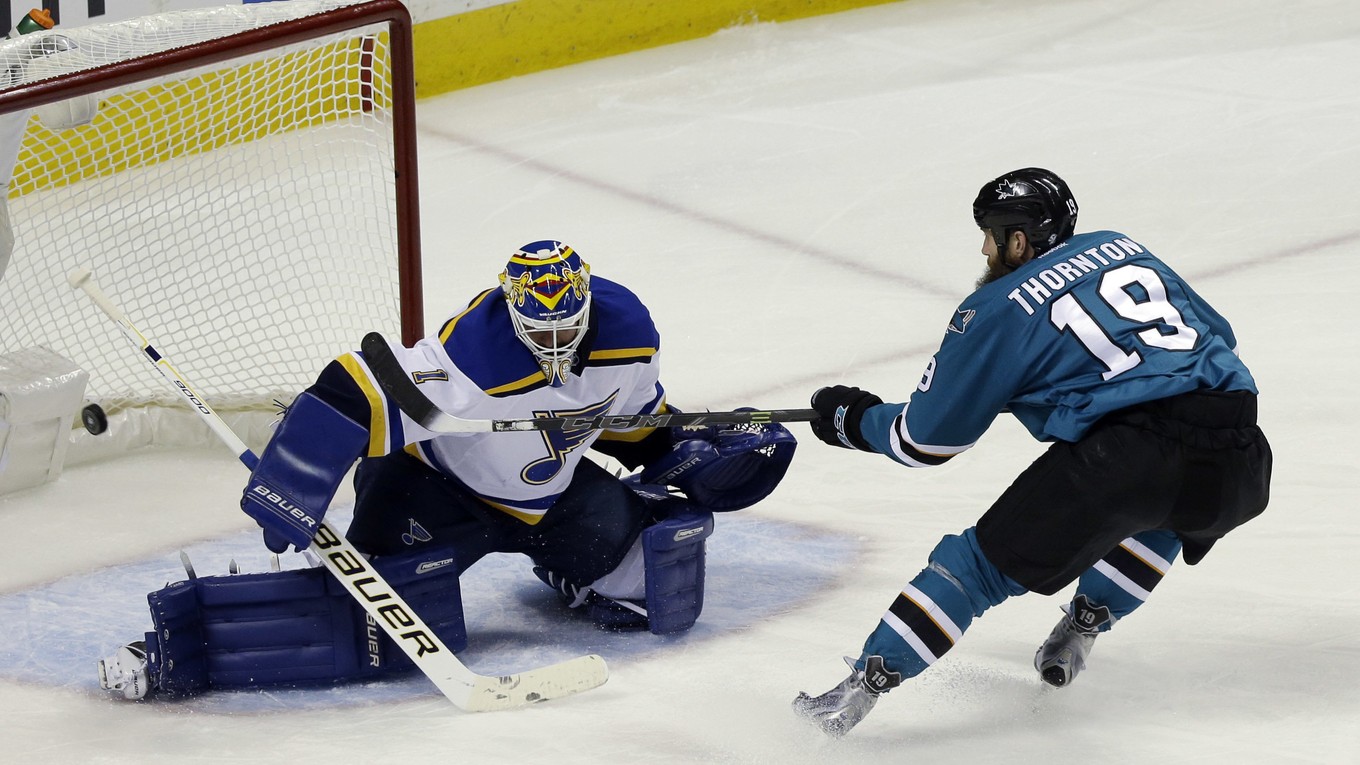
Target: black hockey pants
{"points": [[1196, 464]]}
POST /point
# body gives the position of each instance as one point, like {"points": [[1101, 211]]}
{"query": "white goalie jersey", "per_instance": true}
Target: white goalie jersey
{"points": [[476, 368]]}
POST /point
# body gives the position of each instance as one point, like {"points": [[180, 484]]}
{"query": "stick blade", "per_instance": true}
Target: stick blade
{"points": [[573, 676]]}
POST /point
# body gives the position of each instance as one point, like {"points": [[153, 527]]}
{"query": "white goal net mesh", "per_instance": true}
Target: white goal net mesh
{"points": [[242, 213]]}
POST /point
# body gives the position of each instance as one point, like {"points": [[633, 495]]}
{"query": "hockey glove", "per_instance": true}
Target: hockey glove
{"points": [[723, 468], [841, 409]]}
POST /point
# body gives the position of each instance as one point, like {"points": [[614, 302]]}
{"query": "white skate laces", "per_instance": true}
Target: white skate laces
{"points": [[125, 672]]}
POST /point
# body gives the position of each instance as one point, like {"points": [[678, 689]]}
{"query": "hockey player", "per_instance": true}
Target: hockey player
{"points": [[1096, 345], [552, 340]]}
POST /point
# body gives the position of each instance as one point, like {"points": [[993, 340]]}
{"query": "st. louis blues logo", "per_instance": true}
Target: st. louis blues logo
{"points": [[560, 443], [416, 534]]}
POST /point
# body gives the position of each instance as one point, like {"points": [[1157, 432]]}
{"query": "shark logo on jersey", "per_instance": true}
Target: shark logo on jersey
{"points": [[960, 321], [562, 442]]}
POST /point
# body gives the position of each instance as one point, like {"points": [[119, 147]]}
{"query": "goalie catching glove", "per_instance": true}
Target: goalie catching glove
{"points": [[721, 468]]}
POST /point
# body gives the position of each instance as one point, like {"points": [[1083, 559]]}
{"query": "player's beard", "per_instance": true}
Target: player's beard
{"points": [[992, 273]]}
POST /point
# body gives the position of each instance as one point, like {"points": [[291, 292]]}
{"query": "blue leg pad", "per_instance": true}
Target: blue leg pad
{"points": [[292, 627], [674, 554]]}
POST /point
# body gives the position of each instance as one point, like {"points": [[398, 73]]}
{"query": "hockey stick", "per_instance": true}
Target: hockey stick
{"points": [[467, 689], [411, 400]]}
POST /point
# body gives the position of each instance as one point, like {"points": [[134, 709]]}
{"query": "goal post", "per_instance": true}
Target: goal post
{"points": [[241, 179]]}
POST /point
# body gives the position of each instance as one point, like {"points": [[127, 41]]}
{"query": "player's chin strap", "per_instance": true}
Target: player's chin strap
{"points": [[468, 690]]}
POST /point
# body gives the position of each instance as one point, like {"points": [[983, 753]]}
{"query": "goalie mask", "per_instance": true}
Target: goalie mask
{"points": [[547, 287]]}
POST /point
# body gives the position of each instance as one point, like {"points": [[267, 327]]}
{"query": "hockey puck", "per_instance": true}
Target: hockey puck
{"points": [[94, 419]]}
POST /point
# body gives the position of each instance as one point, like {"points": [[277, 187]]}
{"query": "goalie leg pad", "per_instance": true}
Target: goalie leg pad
{"points": [[292, 627], [675, 553], [659, 586]]}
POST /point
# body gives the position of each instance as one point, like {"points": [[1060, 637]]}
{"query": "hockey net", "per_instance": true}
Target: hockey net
{"points": [[245, 192]]}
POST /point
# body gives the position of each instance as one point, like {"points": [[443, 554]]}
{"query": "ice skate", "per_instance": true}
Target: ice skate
{"points": [[125, 672], [841, 708], [616, 614], [1064, 653]]}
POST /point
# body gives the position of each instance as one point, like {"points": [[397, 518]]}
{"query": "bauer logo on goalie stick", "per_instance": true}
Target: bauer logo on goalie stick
{"points": [[349, 566]]}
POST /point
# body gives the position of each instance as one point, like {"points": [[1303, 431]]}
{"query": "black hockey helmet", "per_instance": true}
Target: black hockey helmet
{"points": [[1032, 200]]}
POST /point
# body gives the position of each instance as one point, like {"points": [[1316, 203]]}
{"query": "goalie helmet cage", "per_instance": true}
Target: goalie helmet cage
{"points": [[246, 191]]}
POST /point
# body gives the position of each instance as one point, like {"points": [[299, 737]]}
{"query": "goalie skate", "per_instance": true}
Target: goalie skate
{"points": [[125, 672]]}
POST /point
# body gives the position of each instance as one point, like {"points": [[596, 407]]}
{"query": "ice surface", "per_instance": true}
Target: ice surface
{"points": [[792, 202]]}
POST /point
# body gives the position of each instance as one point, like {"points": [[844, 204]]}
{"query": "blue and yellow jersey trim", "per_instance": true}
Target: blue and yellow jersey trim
{"points": [[385, 430], [446, 331], [481, 339], [614, 356]]}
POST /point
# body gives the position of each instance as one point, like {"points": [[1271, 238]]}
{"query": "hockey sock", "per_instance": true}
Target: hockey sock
{"points": [[1124, 578], [934, 609]]}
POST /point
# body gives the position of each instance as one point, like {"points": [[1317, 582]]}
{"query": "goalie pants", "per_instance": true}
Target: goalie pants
{"points": [[1194, 464], [401, 504]]}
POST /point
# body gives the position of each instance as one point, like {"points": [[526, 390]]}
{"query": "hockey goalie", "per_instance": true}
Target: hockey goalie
{"points": [[552, 340]]}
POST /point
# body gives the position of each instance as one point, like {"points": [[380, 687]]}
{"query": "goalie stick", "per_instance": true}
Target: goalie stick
{"points": [[466, 689], [416, 405]]}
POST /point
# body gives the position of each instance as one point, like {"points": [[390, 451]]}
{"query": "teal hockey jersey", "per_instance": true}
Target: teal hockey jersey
{"points": [[1094, 325]]}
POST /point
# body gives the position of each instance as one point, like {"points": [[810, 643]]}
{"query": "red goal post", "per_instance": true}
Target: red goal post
{"points": [[246, 189]]}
